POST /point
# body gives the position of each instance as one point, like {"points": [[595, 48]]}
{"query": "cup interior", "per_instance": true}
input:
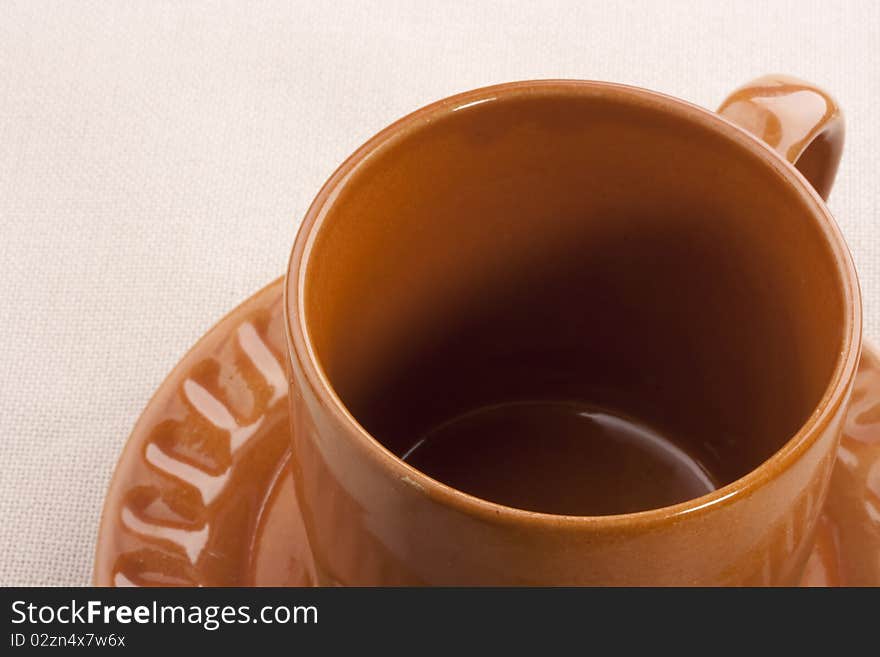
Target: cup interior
{"points": [[566, 242]]}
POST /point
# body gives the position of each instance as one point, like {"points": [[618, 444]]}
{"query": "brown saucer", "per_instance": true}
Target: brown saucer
{"points": [[202, 495]]}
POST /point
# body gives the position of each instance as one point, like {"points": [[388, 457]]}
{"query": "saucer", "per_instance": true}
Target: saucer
{"points": [[202, 495]]}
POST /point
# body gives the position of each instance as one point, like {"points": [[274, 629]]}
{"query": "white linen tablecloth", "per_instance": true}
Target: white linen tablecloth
{"points": [[156, 157]]}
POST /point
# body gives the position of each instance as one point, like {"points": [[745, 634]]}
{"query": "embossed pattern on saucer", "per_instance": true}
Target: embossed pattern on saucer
{"points": [[202, 495], [193, 490]]}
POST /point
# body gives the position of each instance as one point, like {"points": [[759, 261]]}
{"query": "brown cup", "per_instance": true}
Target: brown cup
{"points": [[575, 240]]}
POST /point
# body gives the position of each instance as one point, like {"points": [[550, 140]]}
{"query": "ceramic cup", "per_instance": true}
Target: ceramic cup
{"points": [[575, 240]]}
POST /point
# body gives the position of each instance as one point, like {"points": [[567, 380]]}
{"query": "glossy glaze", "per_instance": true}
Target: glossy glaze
{"points": [[265, 544], [802, 122], [568, 240], [853, 507], [560, 457]]}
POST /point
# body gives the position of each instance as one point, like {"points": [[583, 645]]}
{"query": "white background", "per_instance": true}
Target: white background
{"points": [[156, 157]]}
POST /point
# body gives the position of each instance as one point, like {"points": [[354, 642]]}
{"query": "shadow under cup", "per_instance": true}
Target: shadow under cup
{"points": [[573, 305]]}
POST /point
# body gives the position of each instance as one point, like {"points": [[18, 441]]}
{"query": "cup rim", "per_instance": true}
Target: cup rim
{"points": [[301, 348]]}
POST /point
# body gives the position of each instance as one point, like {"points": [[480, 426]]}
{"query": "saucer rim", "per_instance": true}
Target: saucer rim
{"points": [[211, 337]]}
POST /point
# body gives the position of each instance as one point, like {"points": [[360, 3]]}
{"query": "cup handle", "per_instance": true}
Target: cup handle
{"points": [[799, 120]]}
